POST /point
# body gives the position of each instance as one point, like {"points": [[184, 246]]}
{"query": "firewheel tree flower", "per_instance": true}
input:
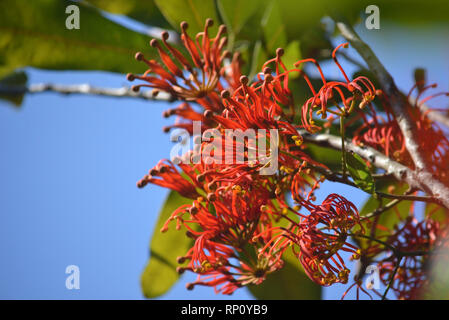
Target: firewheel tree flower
{"points": [[242, 222]]}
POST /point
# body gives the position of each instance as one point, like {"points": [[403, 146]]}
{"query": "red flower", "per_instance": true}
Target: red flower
{"points": [[166, 175], [342, 95], [223, 226], [412, 237], [318, 237], [201, 81], [383, 133]]}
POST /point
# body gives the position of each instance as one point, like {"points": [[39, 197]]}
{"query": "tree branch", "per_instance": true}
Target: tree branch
{"points": [[398, 104], [83, 89], [415, 179]]}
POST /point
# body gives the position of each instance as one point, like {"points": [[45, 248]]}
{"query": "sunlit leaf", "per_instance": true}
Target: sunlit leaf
{"points": [[195, 12], [436, 212], [438, 274], [360, 172]]}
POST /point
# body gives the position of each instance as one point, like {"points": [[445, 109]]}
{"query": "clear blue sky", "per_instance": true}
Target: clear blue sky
{"points": [[69, 166]]}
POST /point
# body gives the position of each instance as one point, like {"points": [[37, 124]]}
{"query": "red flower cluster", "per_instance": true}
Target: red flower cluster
{"points": [[383, 133], [199, 78], [318, 237], [239, 219], [342, 95], [413, 240]]}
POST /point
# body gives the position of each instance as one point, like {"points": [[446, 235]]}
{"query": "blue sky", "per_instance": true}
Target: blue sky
{"points": [[69, 167]]}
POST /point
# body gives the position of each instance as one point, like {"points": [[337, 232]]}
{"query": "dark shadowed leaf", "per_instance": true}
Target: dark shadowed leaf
{"points": [[289, 283], [34, 33], [160, 273]]}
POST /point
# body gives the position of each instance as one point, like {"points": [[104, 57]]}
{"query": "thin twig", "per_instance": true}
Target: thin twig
{"points": [[83, 89], [408, 197], [392, 278]]}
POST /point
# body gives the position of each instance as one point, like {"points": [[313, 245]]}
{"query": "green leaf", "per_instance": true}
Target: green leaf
{"points": [[289, 283], [235, 13], [292, 53], [34, 34], [141, 10], [160, 273], [17, 78], [387, 219], [416, 12], [329, 157], [436, 212], [300, 16], [274, 28], [360, 172], [195, 12]]}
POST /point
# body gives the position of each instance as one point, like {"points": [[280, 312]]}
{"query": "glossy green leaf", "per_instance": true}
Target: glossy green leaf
{"points": [[195, 12], [17, 78], [34, 33], [160, 273], [144, 11], [360, 172], [329, 157], [292, 54], [289, 283]]}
